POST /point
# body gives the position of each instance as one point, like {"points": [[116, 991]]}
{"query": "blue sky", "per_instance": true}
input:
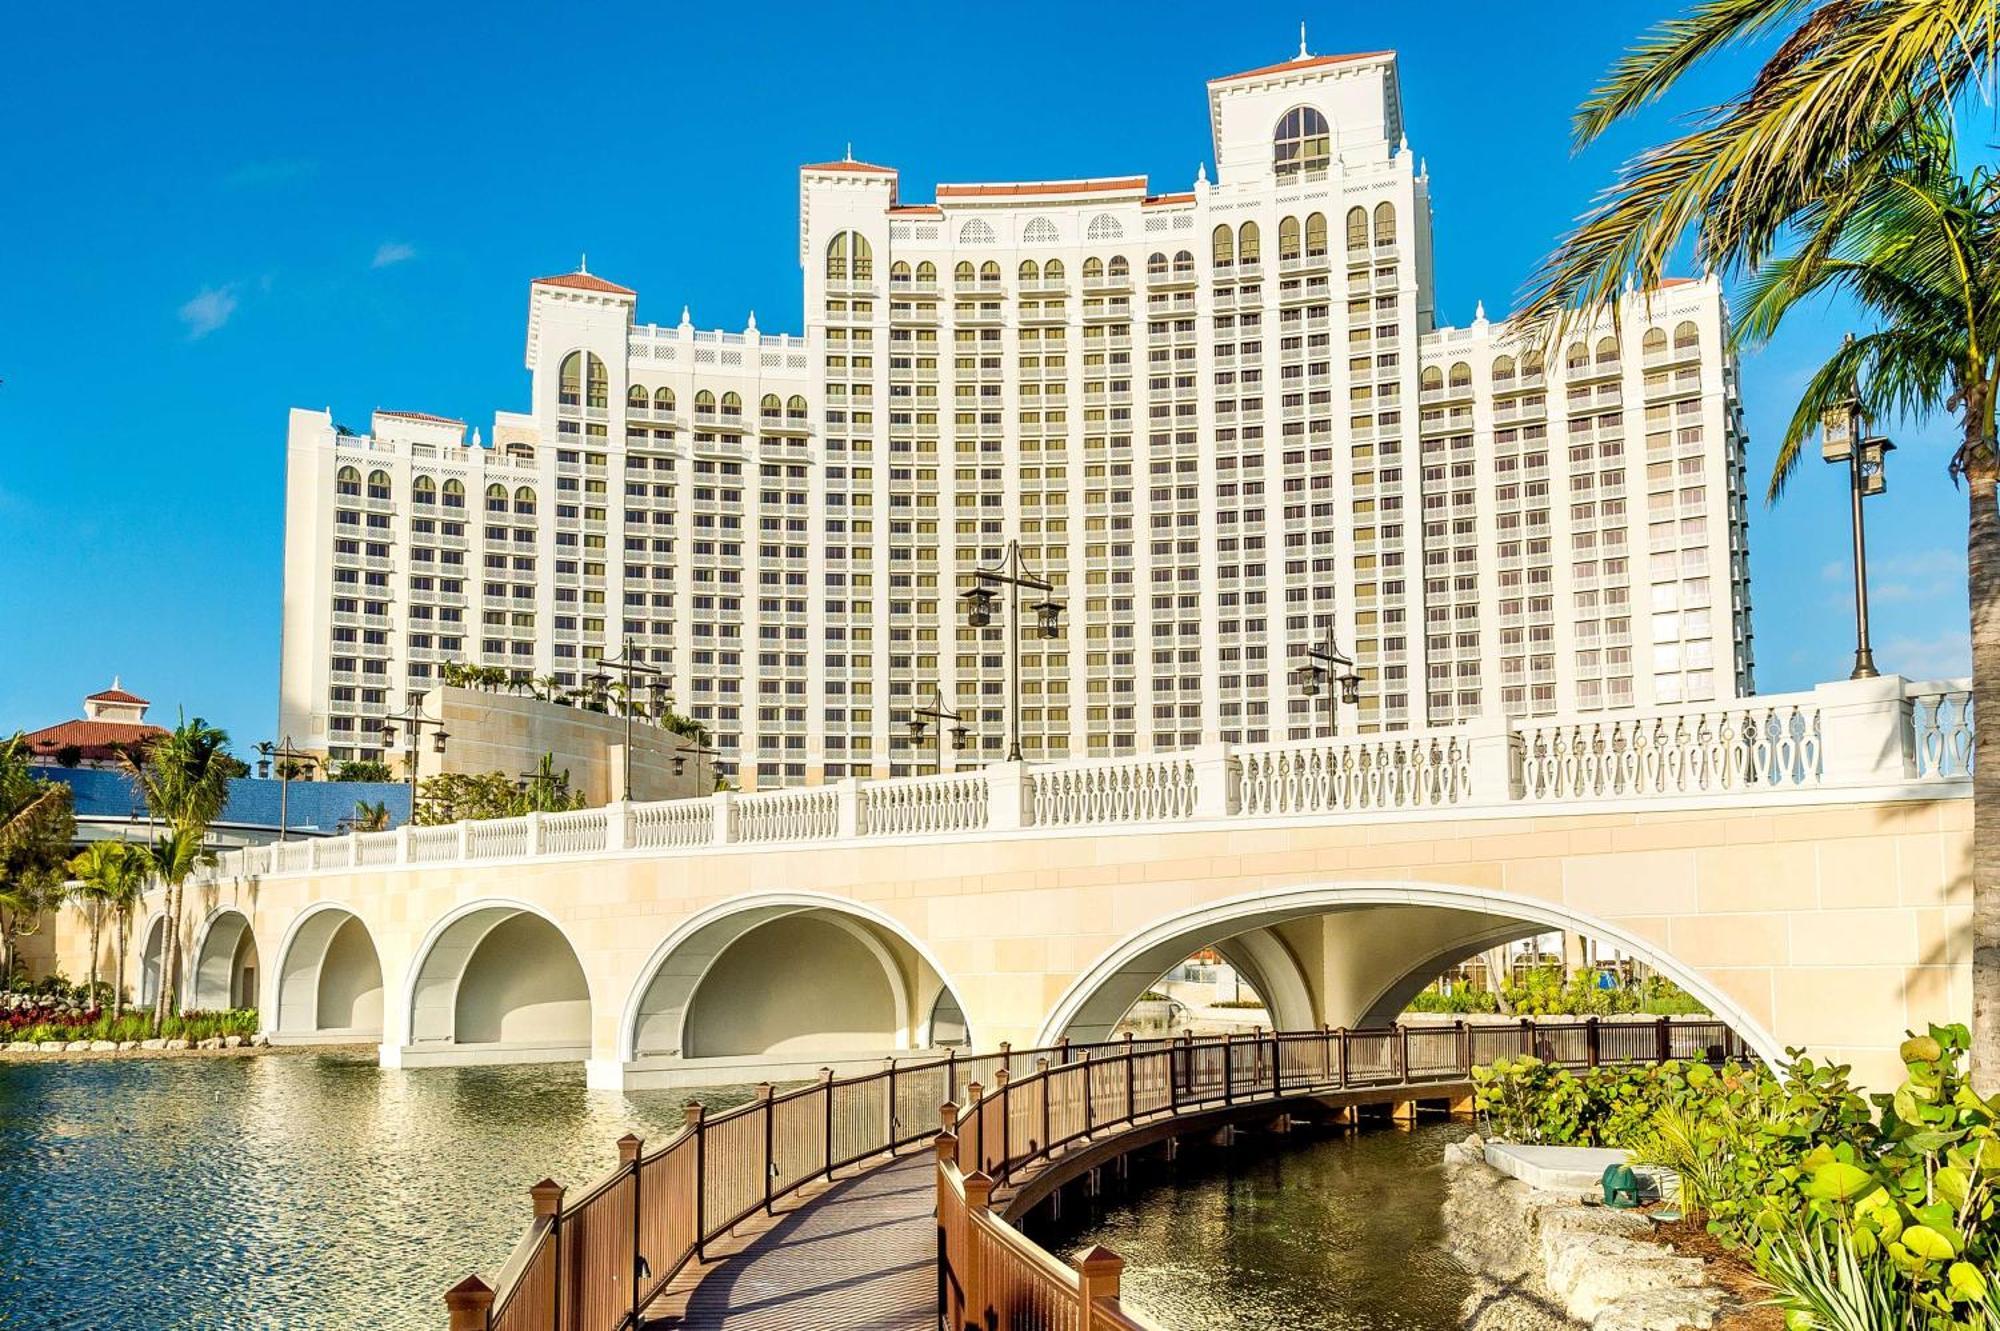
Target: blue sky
{"points": [[213, 215]]}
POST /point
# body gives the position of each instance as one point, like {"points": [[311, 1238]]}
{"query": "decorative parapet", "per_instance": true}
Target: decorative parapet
{"points": [[1871, 734]]}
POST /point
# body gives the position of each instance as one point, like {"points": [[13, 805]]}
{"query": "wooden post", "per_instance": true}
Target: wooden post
{"points": [[694, 1114], [1097, 1274], [1403, 1053], [951, 1073], [629, 1148], [891, 1140], [469, 1303], [764, 1090], [1042, 1075], [973, 1092], [1000, 1080], [1527, 1035], [826, 1089], [1590, 1045], [1228, 1069], [548, 1197], [978, 1196], [1131, 1081], [1277, 1078], [1663, 1042], [1464, 1047]]}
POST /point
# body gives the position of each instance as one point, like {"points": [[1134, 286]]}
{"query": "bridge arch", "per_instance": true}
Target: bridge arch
{"points": [[152, 949], [329, 978], [224, 972], [1394, 937], [499, 978], [867, 985]]}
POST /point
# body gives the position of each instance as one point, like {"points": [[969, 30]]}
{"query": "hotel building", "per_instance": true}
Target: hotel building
{"points": [[1224, 423]]}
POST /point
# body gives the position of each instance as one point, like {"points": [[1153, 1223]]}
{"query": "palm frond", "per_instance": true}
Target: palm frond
{"points": [[1645, 73]]}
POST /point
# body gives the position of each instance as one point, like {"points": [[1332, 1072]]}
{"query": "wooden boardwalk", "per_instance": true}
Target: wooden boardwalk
{"points": [[859, 1256]]}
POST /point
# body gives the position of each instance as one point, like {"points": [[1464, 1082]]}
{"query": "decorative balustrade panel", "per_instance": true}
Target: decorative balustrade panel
{"points": [[733, 1168], [950, 803], [1741, 746], [674, 823], [810, 814], [667, 1222], [433, 845], [1943, 732], [798, 1138], [375, 848], [1346, 776], [860, 1119], [597, 1238], [1146, 790], [496, 838], [582, 832]]}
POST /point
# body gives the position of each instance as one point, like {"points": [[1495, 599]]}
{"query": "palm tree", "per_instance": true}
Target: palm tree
{"points": [[1846, 77], [185, 781], [1917, 245], [550, 686], [36, 823], [370, 817], [111, 877]]}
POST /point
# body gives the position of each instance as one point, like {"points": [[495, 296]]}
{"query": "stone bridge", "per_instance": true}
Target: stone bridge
{"points": [[1800, 863]]}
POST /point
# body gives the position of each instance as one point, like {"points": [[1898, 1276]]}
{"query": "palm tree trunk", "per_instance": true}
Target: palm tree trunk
{"points": [[1982, 558], [170, 945], [118, 986], [96, 936]]}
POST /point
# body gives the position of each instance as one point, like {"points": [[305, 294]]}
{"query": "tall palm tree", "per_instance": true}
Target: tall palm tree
{"points": [[102, 872], [370, 817], [123, 895], [36, 821], [185, 781], [1917, 245], [1845, 77]]}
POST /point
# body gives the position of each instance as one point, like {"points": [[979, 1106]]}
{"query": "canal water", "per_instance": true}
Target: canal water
{"points": [[294, 1191], [1336, 1231]]}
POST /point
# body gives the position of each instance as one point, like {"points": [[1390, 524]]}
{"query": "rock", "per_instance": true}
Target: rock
{"points": [[1662, 1310], [79, 1046], [52, 1046], [232, 1042], [127, 1046], [263, 1041], [176, 1044], [1573, 1256], [1605, 1282], [155, 1043], [103, 1046]]}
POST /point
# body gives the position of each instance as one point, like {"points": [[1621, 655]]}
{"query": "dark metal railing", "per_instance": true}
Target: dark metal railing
{"points": [[596, 1263]]}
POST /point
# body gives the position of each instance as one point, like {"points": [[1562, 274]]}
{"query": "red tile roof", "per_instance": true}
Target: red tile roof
{"points": [[917, 210], [424, 416], [584, 282], [866, 168], [1310, 62], [1112, 185], [117, 695], [1163, 200], [98, 740]]}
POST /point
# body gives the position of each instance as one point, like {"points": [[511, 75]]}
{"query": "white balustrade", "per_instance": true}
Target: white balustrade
{"points": [[954, 802], [1853, 734]]}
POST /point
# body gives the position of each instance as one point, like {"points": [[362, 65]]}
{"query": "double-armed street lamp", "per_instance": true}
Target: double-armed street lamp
{"points": [[1012, 572], [291, 762], [635, 674], [1843, 439], [1328, 669], [933, 718], [701, 753], [414, 724]]}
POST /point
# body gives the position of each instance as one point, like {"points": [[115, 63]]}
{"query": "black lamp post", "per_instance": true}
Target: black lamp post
{"points": [[701, 753], [935, 715], [1012, 572], [1327, 668], [414, 723], [290, 762], [1843, 440], [637, 675]]}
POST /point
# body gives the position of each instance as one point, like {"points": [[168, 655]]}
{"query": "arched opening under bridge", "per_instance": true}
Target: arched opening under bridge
{"points": [[497, 982], [329, 981]]}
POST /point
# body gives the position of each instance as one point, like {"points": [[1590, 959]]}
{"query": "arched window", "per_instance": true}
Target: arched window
{"points": [[1052, 271], [771, 408], [496, 499], [636, 398], [1288, 239], [1029, 271], [1531, 365], [597, 383], [1156, 264], [1093, 269], [347, 481], [704, 403], [569, 380], [899, 274], [1223, 247], [1119, 268], [1041, 231], [732, 405], [795, 408], [927, 271], [848, 255], [1686, 336], [989, 273], [454, 494], [976, 232], [1357, 228], [1461, 375], [524, 502], [1607, 351], [378, 485], [1104, 227], [1577, 357], [1183, 264], [963, 272], [663, 400], [1316, 236], [1249, 243], [1503, 369], [424, 491], [1302, 142], [1432, 378], [1654, 343], [1385, 225]]}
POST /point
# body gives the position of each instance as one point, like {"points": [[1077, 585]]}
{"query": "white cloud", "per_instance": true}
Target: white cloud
{"points": [[393, 252], [1945, 656], [1899, 579], [209, 310]]}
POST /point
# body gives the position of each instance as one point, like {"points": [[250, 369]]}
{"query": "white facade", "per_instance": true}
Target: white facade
{"points": [[1222, 423]]}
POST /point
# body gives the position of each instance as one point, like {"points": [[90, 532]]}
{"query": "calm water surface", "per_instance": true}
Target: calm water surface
{"points": [[1333, 1232], [286, 1191]]}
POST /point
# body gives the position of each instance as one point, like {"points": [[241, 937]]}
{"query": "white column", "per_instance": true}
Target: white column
{"points": [[1495, 759], [1218, 778], [1866, 736], [1006, 800]]}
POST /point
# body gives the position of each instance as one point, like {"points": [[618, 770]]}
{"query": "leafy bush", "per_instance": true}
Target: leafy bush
{"points": [[1544, 993], [1458, 1001], [48, 1020]]}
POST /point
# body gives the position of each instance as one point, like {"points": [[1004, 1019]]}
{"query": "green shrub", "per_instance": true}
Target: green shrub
{"points": [[1458, 1001]]}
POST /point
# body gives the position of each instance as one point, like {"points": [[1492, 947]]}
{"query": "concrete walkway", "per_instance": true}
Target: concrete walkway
{"points": [[862, 1254]]}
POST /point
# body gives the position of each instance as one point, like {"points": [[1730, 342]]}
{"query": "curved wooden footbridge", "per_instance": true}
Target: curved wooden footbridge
{"points": [[885, 1200]]}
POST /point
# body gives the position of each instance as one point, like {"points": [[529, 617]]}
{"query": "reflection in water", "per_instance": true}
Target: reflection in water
{"points": [[1336, 1232], [296, 1191]]}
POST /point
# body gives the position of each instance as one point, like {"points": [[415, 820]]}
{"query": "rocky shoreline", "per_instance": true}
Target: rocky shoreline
{"points": [[54, 1050], [1544, 1262]]}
